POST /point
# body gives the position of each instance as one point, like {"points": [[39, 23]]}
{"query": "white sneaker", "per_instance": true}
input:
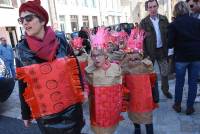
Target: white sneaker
{"points": [[197, 99]]}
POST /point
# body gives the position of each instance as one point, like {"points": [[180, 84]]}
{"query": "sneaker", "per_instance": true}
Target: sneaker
{"points": [[168, 95], [197, 99], [177, 107], [190, 110]]}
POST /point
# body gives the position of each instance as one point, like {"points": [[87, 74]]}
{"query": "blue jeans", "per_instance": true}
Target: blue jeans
{"points": [[193, 70]]}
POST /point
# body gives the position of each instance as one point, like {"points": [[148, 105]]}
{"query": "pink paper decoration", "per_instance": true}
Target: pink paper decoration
{"points": [[77, 43], [135, 41]]}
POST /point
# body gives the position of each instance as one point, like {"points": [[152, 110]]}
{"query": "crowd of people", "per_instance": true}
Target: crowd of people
{"points": [[112, 70]]}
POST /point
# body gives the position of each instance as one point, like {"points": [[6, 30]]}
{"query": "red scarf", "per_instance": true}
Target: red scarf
{"points": [[45, 49]]}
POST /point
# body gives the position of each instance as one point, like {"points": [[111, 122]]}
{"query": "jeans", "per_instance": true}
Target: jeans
{"points": [[193, 70]]}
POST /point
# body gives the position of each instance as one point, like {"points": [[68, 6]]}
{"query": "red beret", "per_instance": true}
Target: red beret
{"points": [[35, 7]]}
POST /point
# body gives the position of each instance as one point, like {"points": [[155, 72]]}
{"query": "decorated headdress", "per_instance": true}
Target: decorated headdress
{"points": [[135, 41], [112, 37], [123, 36], [77, 43], [99, 41]]}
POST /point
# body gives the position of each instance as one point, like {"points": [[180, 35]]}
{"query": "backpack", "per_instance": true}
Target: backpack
{"points": [[7, 83], [4, 73]]}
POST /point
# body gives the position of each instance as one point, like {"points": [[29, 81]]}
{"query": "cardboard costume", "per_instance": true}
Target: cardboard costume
{"points": [[106, 96], [139, 78], [51, 88], [105, 89]]}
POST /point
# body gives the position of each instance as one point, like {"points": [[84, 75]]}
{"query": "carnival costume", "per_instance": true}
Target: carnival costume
{"points": [[105, 91], [50, 88], [139, 78], [82, 57], [116, 54]]}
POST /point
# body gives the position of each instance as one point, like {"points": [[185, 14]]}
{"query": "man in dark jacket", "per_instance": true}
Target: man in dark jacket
{"points": [[84, 35], [155, 43]]}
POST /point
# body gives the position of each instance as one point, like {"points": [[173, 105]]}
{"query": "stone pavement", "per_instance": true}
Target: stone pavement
{"points": [[166, 121]]}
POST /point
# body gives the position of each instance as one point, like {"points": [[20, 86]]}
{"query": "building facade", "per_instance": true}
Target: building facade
{"points": [[8, 23], [134, 10], [73, 14], [9, 26], [110, 12]]}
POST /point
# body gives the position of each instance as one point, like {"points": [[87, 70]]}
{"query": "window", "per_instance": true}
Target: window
{"points": [[62, 2], [22, 1], [62, 22], [93, 4], [85, 3], [106, 19], [74, 23], [112, 4], [118, 19], [5, 3], [85, 21], [113, 20], [14, 3], [95, 21], [76, 1]]}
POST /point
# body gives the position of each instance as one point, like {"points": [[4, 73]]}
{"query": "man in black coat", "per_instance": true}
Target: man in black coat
{"points": [[85, 36]]}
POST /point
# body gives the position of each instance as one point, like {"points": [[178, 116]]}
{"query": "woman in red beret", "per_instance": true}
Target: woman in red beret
{"points": [[50, 88]]}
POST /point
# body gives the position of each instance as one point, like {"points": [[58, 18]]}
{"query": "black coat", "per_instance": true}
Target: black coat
{"points": [[69, 121], [86, 43], [184, 37]]}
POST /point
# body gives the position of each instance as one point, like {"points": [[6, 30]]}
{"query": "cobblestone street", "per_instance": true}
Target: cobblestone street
{"points": [[166, 121]]}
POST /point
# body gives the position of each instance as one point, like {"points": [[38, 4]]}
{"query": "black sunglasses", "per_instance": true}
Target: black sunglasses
{"points": [[28, 18], [191, 6]]}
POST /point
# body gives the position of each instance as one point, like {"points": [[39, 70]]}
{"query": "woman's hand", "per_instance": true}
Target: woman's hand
{"points": [[27, 123]]}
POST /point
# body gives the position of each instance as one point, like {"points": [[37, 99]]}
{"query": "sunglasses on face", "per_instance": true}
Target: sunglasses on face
{"points": [[191, 6], [193, 0], [28, 18]]}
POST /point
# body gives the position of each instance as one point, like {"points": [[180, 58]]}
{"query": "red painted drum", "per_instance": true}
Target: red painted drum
{"points": [[51, 86], [140, 86], [105, 105]]}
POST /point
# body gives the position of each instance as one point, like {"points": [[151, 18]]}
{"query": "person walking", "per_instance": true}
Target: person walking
{"points": [[184, 35], [7, 54], [50, 88], [84, 34], [155, 42]]}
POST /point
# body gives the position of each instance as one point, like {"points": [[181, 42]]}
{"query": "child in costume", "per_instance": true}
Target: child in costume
{"points": [[50, 89], [82, 57], [105, 88], [139, 78], [116, 51]]}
